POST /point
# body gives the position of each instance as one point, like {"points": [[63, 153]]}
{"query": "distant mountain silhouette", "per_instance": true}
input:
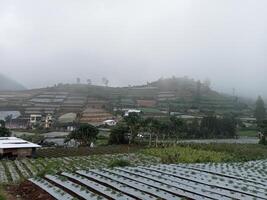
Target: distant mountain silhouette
{"points": [[7, 84]]}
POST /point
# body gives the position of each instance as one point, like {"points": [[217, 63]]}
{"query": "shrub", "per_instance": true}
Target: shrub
{"points": [[119, 163]]}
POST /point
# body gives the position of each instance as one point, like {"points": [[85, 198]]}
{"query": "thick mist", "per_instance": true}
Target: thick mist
{"points": [[132, 42]]}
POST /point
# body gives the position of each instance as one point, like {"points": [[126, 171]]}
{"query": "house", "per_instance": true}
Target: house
{"points": [[248, 121], [35, 119], [16, 147], [48, 121], [127, 112], [18, 123], [110, 122]]}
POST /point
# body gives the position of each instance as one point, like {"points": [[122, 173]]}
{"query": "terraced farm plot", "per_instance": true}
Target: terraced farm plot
{"points": [[243, 181]]}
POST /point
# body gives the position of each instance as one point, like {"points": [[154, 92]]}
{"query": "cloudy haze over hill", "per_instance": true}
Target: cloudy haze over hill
{"points": [[132, 42], [7, 84]]}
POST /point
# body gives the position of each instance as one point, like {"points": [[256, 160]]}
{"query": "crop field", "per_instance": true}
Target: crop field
{"points": [[151, 182], [15, 171]]}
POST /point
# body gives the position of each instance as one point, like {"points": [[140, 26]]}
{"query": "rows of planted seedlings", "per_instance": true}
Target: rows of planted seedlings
{"points": [[3, 176], [26, 168], [99, 188], [152, 182], [166, 186], [118, 185], [187, 183], [242, 189], [22, 169], [154, 190], [77, 189], [31, 168], [139, 191], [189, 186], [14, 175], [236, 171], [241, 170], [51, 189]]}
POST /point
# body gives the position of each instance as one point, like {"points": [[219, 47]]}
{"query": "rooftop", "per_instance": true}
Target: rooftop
{"points": [[13, 142]]}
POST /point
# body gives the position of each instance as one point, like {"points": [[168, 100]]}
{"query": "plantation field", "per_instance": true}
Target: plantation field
{"points": [[62, 159], [18, 170], [170, 182]]}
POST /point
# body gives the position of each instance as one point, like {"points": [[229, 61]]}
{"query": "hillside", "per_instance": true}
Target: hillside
{"points": [[162, 96], [6, 84]]}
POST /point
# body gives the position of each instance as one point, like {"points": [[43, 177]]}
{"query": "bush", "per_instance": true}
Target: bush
{"points": [[263, 141], [119, 163]]}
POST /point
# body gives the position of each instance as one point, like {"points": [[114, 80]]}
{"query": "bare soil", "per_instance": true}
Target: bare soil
{"points": [[27, 191]]}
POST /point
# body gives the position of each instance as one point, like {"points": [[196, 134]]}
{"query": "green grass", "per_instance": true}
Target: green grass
{"points": [[248, 133], [2, 195], [180, 154], [239, 152], [196, 153]]}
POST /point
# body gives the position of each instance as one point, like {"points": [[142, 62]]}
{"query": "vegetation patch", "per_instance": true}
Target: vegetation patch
{"points": [[238, 152], [179, 154], [119, 163], [247, 133], [2, 195]]}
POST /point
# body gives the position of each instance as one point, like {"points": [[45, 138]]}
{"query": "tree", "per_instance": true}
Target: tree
{"points": [[156, 129], [8, 118], [84, 135], [78, 80], [134, 122], [89, 81], [228, 126], [193, 129], [263, 130], [198, 92], [2, 123], [4, 132], [176, 126], [160, 128], [211, 127], [105, 81], [118, 134], [260, 112]]}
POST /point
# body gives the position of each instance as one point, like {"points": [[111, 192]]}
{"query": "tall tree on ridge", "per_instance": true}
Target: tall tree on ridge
{"points": [[260, 112]]}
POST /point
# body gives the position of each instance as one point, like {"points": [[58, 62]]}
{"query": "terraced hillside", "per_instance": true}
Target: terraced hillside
{"points": [[176, 94], [170, 182]]}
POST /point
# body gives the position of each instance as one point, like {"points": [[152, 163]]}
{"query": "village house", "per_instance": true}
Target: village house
{"points": [[11, 147]]}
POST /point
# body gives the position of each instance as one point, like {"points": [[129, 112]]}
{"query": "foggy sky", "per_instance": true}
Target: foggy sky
{"points": [[135, 41]]}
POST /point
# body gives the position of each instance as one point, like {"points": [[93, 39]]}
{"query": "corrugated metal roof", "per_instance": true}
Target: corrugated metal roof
{"points": [[13, 142]]}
